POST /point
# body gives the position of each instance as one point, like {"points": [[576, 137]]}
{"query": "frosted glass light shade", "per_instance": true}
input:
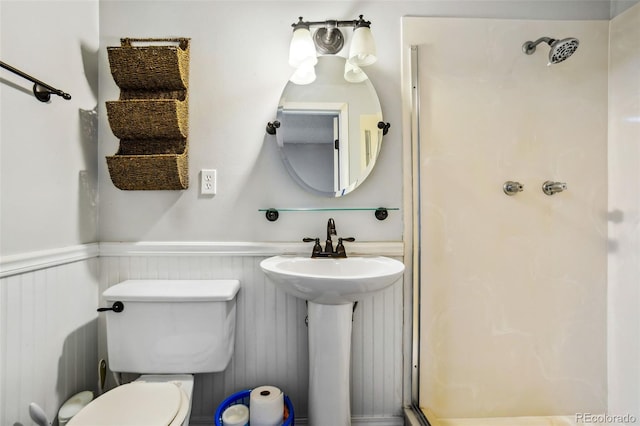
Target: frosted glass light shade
{"points": [[353, 73], [302, 49], [363, 49], [305, 74]]}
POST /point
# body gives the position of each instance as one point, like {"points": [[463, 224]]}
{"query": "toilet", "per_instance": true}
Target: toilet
{"points": [[166, 330]]}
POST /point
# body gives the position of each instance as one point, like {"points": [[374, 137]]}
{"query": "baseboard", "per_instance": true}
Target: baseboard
{"points": [[355, 421], [376, 421]]}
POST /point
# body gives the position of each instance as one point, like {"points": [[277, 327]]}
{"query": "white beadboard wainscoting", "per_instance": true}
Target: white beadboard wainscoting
{"points": [[51, 337], [48, 329], [271, 336]]}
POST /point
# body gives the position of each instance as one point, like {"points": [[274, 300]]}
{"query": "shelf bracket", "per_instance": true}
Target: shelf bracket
{"points": [[272, 126], [384, 127]]}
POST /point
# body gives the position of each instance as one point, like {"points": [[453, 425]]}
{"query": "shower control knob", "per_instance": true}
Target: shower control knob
{"points": [[512, 188], [551, 188], [116, 307]]}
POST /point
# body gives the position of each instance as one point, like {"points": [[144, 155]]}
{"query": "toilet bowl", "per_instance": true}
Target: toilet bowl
{"points": [[159, 400], [73, 405]]}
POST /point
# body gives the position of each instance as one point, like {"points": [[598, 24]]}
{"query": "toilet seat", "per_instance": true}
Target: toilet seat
{"points": [[136, 404]]}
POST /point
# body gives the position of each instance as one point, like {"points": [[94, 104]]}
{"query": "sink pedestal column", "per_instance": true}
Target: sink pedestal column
{"points": [[329, 364]]}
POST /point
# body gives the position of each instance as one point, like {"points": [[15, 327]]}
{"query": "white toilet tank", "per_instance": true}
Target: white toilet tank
{"points": [[171, 326]]}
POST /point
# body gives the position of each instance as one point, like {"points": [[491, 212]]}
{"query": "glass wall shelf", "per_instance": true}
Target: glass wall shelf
{"points": [[381, 213]]}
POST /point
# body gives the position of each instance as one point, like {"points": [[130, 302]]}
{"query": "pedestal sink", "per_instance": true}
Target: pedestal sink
{"points": [[331, 286]]}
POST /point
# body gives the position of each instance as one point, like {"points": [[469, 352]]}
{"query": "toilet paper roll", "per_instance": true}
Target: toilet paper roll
{"points": [[267, 406], [236, 415]]}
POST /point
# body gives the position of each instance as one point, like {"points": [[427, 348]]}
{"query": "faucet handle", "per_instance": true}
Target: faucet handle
{"points": [[317, 248], [340, 250]]}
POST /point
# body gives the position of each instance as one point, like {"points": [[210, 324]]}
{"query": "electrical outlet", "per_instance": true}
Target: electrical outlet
{"points": [[208, 182]]}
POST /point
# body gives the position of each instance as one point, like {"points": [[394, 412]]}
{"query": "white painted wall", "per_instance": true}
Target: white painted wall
{"points": [[48, 210], [48, 164], [235, 85], [624, 214], [619, 6], [238, 69]]}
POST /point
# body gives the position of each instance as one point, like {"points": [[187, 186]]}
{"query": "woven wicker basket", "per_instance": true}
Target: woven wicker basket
{"points": [[149, 118], [149, 171], [150, 67], [152, 147]]}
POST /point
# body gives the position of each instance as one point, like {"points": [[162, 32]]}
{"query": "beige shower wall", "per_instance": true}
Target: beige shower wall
{"points": [[513, 288]]}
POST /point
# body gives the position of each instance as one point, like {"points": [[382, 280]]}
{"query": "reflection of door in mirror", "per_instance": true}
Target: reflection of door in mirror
{"points": [[369, 144], [317, 131]]}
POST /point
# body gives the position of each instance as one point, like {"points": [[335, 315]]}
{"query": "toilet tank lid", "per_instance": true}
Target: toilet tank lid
{"points": [[173, 290]]}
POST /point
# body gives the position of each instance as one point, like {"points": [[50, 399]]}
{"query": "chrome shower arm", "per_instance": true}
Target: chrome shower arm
{"points": [[530, 46]]}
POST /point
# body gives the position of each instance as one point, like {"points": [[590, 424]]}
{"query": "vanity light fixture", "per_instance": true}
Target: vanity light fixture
{"points": [[302, 51], [304, 74], [362, 52], [353, 73], [329, 40]]}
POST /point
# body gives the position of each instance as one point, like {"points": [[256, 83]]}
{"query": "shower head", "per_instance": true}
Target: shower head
{"points": [[560, 49]]}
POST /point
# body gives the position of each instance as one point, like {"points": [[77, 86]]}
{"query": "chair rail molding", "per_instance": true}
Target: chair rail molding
{"points": [[174, 248], [25, 262]]}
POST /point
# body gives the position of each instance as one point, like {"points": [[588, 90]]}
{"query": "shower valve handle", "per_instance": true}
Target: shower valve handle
{"points": [[512, 188], [550, 187]]}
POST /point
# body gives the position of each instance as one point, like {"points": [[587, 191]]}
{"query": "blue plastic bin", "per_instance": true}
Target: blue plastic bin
{"points": [[242, 397]]}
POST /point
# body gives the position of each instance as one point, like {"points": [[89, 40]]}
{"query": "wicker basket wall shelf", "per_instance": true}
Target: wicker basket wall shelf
{"points": [[151, 118], [130, 171], [150, 67], [148, 118]]}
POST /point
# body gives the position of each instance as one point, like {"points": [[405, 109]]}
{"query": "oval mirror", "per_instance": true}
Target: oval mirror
{"points": [[328, 137]]}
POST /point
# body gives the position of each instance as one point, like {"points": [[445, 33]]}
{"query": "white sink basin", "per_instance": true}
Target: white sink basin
{"points": [[331, 281]]}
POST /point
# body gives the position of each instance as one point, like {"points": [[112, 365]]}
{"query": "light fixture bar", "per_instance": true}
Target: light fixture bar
{"points": [[331, 23], [328, 38]]}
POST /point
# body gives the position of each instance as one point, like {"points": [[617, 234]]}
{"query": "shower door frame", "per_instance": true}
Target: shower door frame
{"points": [[411, 195]]}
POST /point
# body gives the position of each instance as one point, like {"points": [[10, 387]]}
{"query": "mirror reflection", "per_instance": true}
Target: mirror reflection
{"points": [[328, 137]]}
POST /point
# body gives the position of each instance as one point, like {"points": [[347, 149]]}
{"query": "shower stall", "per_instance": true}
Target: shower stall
{"points": [[511, 287]]}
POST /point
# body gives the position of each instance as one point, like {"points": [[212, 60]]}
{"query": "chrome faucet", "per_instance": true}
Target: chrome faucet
{"points": [[328, 250]]}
